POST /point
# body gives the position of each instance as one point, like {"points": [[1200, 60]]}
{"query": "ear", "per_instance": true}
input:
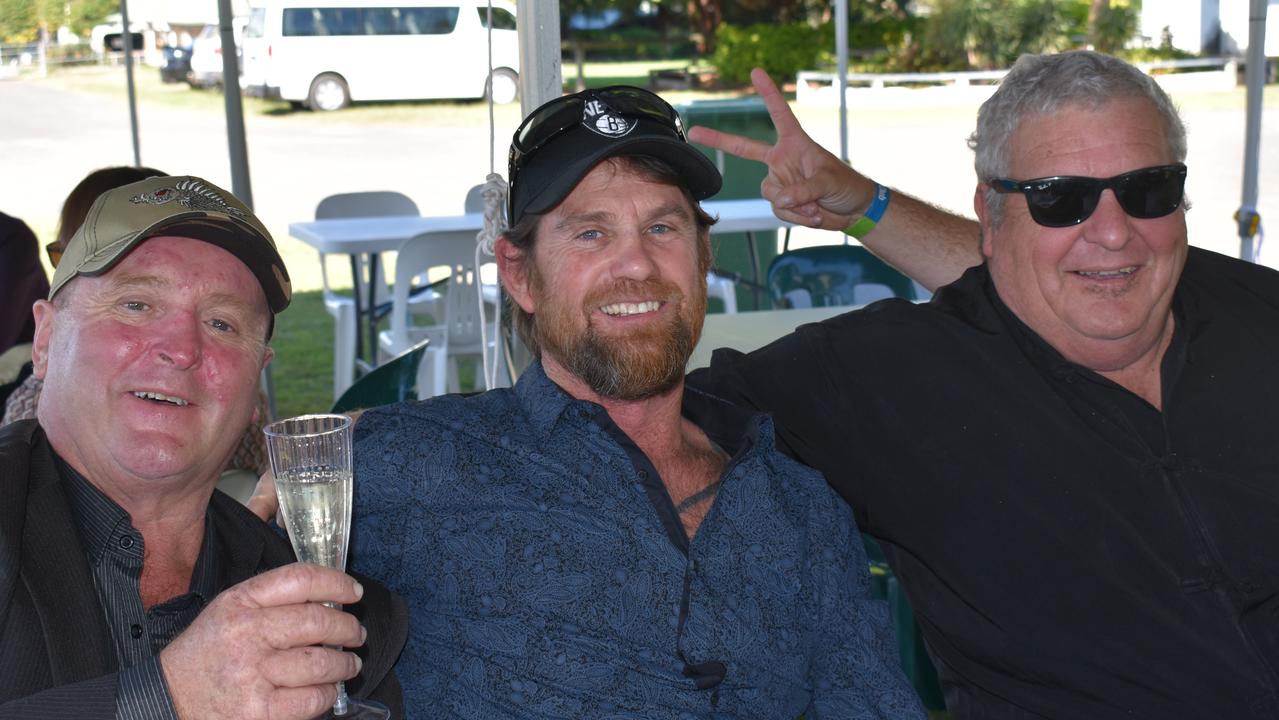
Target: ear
{"points": [[44, 313], [983, 217], [513, 266]]}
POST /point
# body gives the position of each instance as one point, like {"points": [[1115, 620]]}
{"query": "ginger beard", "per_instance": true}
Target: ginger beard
{"points": [[640, 364]]}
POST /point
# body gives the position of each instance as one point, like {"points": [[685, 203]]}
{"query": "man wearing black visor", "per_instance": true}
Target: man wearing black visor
{"points": [[598, 541], [1069, 455]]}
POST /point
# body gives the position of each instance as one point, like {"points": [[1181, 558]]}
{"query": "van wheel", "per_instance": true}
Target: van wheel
{"points": [[328, 93], [503, 86]]}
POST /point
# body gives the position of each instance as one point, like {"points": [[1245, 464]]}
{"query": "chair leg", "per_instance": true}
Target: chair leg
{"points": [[343, 344], [454, 381], [439, 371]]}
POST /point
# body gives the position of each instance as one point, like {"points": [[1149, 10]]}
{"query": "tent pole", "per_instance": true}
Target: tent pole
{"points": [[841, 82], [1255, 76], [239, 149], [126, 44], [538, 26]]}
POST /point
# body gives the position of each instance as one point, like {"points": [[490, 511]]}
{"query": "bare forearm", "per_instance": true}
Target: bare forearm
{"points": [[929, 244]]}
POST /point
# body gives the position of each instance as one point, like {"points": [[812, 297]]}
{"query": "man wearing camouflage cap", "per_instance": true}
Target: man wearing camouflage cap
{"points": [[129, 587]]}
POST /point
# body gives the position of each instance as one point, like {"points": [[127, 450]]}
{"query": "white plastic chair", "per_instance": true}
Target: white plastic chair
{"points": [[475, 199], [723, 288], [341, 307], [457, 332]]}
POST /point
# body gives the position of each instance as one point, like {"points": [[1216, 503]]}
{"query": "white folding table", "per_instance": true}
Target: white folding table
{"points": [[372, 236]]}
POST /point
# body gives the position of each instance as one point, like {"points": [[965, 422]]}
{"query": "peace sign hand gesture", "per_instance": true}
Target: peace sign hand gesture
{"points": [[806, 184]]}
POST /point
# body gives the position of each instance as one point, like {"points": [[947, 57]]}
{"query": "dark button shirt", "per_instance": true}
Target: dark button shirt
{"points": [[115, 552], [548, 573], [1070, 550]]}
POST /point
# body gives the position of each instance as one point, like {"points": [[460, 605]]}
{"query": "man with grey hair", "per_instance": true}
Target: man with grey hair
{"points": [[1068, 455]]}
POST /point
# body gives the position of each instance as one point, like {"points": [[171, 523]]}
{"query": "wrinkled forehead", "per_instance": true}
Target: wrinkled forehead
{"points": [[175, 264], [1070, 126]]}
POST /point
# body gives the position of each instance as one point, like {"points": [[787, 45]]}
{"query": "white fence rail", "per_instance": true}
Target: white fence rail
{"points": [[819, 88], [38, 58]]}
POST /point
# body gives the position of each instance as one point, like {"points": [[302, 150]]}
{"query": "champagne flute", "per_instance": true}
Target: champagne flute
{"points": [[311, 460]]}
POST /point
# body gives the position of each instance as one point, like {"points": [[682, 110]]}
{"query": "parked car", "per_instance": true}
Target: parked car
{"points": [[326, 54], [177, 64], [206, 54]]}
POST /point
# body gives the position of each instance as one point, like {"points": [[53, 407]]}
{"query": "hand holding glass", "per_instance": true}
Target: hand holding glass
{"points": [[311, 461]]}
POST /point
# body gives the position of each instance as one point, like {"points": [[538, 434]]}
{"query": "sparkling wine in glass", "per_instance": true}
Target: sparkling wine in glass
{"points": [[311, 461]]}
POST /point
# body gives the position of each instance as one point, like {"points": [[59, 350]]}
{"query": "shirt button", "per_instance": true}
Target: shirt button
{"points": [[135, 630], [126, 542], [643, 474]]}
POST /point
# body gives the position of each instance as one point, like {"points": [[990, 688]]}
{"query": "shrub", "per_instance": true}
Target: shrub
{"points": [[782, 50], [634, 43]]}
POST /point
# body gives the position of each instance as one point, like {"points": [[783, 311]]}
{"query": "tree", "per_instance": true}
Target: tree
{"points": [[1110, 27], [968, 34], [704, 17], [21, 20]]}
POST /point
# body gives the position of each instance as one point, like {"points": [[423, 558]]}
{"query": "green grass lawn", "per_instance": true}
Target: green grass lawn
{"points": [[303, 364]]}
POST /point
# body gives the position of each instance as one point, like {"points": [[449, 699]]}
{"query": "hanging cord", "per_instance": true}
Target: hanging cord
{"points": [[494, 194]]}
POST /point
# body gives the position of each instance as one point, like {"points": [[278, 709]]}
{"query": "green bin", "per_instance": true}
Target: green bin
{"points": [[747, 117]]}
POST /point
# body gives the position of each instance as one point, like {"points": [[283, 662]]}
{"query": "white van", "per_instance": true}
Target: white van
{"points": [[325, 54]]}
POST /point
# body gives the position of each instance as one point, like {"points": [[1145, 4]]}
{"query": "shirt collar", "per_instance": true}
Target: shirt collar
{"points": [[98, 517], [732, 428], [1044, 354], [546, 403]]}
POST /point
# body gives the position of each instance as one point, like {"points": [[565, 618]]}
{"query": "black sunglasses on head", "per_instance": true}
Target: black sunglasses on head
{"points": [[1067, 200], [557, 116]]}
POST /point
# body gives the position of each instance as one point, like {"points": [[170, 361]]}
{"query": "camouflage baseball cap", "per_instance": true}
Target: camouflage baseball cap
{"points": [[181, 206]]}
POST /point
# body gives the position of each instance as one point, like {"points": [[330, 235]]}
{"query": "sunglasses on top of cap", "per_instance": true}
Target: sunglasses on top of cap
{"points": [[1066, 200], [563, 114]]}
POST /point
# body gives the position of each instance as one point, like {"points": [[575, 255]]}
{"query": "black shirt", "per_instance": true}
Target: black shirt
{"points": [[115, 550], [1070, 551]]}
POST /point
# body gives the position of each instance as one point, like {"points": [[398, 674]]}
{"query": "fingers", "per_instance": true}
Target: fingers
{"points": [[738, 145], [297, 583], [783, 119], [264, 502], [310, 624], [306, 666], [301, 703]]}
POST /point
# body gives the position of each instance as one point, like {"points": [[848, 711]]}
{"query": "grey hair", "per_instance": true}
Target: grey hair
{"points": [[1043, 84]]}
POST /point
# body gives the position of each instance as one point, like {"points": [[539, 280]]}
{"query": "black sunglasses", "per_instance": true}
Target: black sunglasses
{"points": [[1066, 200], [557, 116]]}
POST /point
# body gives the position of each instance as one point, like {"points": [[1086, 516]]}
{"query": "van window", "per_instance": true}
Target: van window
{"points": [[322, 21], [302, 22], [429, 20], [502, 19], [257, 23]]}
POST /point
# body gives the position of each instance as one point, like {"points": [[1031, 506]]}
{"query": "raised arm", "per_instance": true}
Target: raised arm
{"points": [[810, 186]]}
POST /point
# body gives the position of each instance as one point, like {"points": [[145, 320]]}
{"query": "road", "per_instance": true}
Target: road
{"points": [[50, 137]]}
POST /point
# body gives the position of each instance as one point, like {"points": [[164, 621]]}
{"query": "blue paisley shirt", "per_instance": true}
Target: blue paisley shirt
{"points": [[548, 575]]}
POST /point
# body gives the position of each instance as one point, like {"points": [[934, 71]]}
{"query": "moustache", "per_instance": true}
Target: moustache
{"points": [[633, 291]]}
